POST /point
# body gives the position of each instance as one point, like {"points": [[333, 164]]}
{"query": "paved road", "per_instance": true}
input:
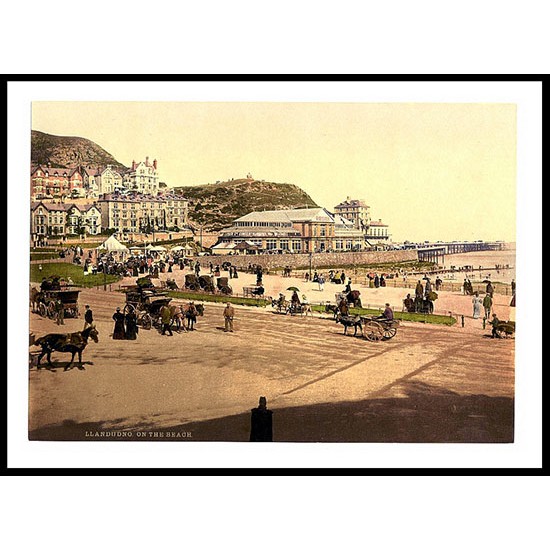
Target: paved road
{"points": [[426, 384]]}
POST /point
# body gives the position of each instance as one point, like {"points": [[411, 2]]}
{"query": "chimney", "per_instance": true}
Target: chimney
{"points": [[155, 164], [133, 165], [146, 161]]}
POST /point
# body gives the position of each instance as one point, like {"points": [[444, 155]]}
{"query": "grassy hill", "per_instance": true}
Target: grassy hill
{"points": [[68, 152], [216, 205]]}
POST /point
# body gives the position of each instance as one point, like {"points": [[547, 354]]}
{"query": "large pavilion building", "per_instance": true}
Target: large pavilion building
{"points": [[289, 231]]}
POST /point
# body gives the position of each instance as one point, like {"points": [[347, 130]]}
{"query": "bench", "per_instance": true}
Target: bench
{"points": [[250, 292]]}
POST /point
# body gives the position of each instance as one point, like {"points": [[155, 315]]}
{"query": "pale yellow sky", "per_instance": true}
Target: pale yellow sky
{"points": [[430, 171]]}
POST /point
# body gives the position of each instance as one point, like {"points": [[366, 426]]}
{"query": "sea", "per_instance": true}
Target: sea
{"points": [[488, 260]]}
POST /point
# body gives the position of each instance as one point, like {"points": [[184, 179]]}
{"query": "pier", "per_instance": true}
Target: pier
{"points": [[433, 252]]}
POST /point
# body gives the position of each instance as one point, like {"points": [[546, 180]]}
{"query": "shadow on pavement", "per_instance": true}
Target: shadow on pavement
{"points": [[426, 414]]}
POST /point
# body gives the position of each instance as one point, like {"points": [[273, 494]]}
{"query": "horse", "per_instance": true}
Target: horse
{"points": [[305, 309], [348, 322], [330, 308], [182, 312], [297, 307], [353, 298], [74, 343], [339, 309], [35, 295], [282, 306]]}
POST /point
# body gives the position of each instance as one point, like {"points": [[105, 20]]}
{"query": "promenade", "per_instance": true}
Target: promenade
{"points": [[448, 303]]}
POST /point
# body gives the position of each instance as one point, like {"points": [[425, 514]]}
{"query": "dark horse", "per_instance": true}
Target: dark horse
{"points": [[349, 322], [353, 298], [74, 343]]}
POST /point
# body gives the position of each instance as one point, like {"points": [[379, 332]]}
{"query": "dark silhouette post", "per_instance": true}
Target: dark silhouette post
{"points": [[104, 262], [261, 422]]}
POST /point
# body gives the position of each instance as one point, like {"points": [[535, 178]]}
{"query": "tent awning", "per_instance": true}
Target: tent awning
{"points": [[112, 245]]}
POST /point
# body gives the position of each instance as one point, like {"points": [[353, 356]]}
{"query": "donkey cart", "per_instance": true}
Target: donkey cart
{"points": [[378, 329]]}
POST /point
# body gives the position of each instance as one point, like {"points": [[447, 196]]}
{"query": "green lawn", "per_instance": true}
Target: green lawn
{"points": [[44, 255], [404, 316], [218, 298], [65, 270]]}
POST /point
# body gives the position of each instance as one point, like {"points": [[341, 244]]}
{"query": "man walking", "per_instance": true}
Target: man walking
{"points": [[88, 317], [166, 317], [60, 312], [228, 314], [487, 305], [321, 282]]}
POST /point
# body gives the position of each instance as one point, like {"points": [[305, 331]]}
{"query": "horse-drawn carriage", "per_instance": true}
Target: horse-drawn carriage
{"points": [[192, 282], [284, 306], [371, 328], [223, 285], [146, 304], [206, 283], [45, 302], [425, 304], [505, 328], [375, 328]]}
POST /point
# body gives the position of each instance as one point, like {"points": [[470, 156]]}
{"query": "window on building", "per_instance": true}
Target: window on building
{"points": [[270, 244]]}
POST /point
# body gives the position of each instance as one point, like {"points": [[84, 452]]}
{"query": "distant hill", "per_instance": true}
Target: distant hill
{"points": [[68, 152], [216, 205]]}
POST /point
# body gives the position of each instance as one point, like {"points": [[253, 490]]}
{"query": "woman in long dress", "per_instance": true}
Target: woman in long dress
{"points": [[131, 326], [119, 333], [477, 301]]}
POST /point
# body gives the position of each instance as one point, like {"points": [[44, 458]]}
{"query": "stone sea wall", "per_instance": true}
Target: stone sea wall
{"points": [[320, 260]]}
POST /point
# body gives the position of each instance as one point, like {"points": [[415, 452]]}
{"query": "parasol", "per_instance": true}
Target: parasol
{"points": [[293, 288]]}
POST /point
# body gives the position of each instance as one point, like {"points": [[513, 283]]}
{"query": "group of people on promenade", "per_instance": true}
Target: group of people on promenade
{"points": [[126, 325], [152, 263]]}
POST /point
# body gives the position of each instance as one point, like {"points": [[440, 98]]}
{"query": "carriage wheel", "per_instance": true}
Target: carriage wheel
{"points": [[145, 321], [372, 331], [42, 309], [129, 308], [389, 332]]}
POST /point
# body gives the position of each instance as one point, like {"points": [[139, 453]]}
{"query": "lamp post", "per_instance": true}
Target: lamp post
{"points": [[310, 261], [104, 262]]}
